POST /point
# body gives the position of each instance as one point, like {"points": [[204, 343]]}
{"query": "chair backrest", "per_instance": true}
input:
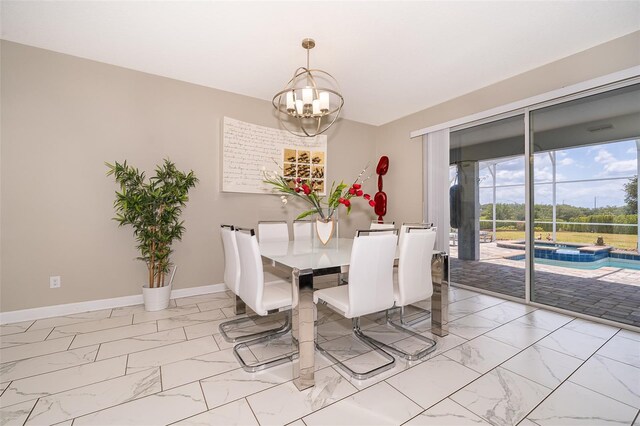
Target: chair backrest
{"points": [[403, 229], [371, 273], [382, 225], [231, 258], [414, 267], [269, 231], [302, 230], [252, 276]]}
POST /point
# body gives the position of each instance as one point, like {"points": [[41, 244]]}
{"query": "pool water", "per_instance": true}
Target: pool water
{"points": [[606, 262]]}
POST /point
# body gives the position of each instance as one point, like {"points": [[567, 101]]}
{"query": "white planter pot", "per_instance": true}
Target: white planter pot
{"points": [[157, 298]]}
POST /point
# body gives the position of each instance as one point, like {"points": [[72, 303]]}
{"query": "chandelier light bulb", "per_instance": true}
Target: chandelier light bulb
{"points": [[324, 101], [307, 95], [290, 102]]}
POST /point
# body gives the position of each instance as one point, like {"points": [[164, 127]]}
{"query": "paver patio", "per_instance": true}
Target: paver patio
{"points": [[607, 292]]}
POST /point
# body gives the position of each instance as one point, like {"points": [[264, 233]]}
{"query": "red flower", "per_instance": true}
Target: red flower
{"points": [[341, 200], [298, 180], [372, 203], [367, 196], [297, 189], [306, 189], [359, 193], [347, 203], [357, 186], [352, 191]]}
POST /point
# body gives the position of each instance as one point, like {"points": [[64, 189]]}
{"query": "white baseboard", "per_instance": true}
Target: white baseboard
{"points": [[95, 305]]}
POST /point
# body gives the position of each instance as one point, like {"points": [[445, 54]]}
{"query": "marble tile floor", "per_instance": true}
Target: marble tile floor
{"points": [[502, 364]]}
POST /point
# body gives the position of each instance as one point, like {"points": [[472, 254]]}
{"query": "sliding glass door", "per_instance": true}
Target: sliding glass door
{"points": [[488, 206], [585, 210], [557, 223]]}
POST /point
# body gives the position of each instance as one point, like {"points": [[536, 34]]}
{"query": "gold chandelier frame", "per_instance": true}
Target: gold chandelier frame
{"points": [[310, 123]]}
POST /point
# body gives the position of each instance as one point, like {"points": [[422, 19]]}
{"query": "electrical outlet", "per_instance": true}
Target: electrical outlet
{"points": [[55, 282]]}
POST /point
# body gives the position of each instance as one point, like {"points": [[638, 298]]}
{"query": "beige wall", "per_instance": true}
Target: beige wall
{"points": [[403, 183], [62, 117]]}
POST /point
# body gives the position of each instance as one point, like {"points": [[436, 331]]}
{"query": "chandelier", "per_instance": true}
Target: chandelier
{"points": [[304, 107]]}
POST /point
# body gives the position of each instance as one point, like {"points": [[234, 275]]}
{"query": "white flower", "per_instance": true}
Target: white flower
{"points": [[284, 200]]}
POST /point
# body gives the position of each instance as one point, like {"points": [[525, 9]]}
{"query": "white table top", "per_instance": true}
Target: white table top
{"points": [[309, 254]]}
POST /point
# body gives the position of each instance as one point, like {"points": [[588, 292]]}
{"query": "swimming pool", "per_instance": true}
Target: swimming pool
{"points": [[597, 264]]}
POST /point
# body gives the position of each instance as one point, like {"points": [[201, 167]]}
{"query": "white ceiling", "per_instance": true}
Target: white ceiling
{"points": [[391, 58]]}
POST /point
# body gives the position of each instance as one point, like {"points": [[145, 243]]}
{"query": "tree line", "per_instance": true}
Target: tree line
{"points": [[626, 214]]}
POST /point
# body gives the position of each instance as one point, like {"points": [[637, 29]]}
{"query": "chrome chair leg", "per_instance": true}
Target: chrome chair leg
{"points": [[227, 326], [424, 315], [366, 374], [431, 344], [269, 363]]}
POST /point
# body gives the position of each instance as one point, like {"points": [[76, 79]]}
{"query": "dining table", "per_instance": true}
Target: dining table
{"points": [[306, 259]]}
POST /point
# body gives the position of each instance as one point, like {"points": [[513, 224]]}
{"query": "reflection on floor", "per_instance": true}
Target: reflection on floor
{"points": [[608, 292], [502, 364]]}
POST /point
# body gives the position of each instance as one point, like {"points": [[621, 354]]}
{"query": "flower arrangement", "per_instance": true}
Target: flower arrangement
{"points": [[340, 194]]}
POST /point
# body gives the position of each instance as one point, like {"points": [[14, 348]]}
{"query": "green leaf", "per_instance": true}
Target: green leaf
{"points": [[305, 214]]}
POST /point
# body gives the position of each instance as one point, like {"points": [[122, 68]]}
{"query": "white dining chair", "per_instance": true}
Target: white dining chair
{"points": [[262, 299], [302, 230], [271, 231], [370, 290], [375, 224], [413, 284], [232, 274], [403, 229], [274, 231]]}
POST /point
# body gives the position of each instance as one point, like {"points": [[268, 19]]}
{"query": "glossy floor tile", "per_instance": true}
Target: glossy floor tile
{"points": [[501, 397], [447, 413], [622, 349], [518, 334], [379, 404], [58, 381], [198, 367], [112, 334], [170, 353], [16, 414], [448, 374], [161, 408], [503, 363], [614, 379], [543, 365], [572, 343], [141, 343], [572, 404], [98, 396], [481, 354], [43, 364], [26, 337], [285, 403], [30, 350], [236, 413], [472, 326]]}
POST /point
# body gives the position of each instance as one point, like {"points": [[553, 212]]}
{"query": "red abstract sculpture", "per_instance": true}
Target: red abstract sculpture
{"points": [[381, 197]]}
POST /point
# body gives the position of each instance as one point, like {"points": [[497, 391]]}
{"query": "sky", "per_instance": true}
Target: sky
{"points": [[612, 160]]}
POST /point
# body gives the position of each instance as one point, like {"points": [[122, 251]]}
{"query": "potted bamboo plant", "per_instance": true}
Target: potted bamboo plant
{"points": [[153, 208]]}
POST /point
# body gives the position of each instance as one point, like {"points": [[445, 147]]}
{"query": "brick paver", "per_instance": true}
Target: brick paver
{"points": [[610, 293]]}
